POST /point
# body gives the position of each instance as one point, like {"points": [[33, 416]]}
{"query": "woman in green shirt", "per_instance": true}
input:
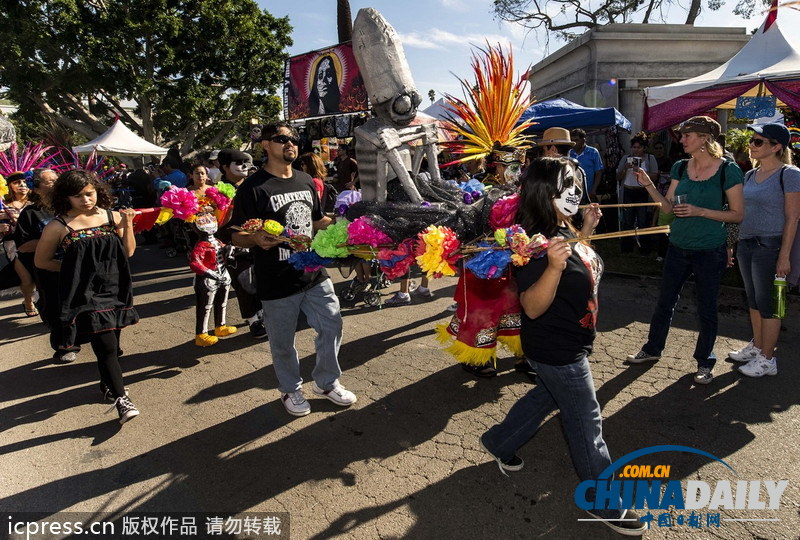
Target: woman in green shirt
{"points": [[699, 189]]}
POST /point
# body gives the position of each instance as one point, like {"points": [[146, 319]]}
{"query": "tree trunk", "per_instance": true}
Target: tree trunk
{"points": [[344, 20], [694, 11]]}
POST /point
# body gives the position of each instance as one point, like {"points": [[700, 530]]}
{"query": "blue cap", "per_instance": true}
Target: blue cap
{"points": [[775, 132]]}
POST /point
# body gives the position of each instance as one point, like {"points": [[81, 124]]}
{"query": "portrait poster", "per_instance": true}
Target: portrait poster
{"points": [[323, 82]]}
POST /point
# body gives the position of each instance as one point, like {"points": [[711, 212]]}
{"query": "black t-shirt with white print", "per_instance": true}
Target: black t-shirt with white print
{"points": [[565, 332], [292, 202]]}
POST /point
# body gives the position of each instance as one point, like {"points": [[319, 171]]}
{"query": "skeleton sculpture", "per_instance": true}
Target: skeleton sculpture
{"points": [[382, 147]]}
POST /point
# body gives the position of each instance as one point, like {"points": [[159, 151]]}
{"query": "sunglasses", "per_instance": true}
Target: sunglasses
{"points": [[283, 139], [758, 143]]}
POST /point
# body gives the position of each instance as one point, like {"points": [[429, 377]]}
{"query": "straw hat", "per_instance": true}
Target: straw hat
{"points": [[555, 135]]}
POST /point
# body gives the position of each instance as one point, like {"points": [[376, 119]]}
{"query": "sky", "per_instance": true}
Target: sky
{"points": [[439, 36]]}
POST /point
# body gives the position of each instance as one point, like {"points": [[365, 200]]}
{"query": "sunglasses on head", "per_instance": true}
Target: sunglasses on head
{"points": [[759, 142], [283, 139]]}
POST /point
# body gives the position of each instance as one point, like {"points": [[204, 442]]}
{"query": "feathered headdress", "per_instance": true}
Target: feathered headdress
{"points": [[487, 116], [32, 156], [67, 159]]}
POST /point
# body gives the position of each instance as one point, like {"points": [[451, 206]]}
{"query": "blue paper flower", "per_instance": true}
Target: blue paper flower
{"points": [[489, 264]]}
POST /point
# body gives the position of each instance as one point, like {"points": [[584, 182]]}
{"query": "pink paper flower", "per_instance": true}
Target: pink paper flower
{"points": [[362, 232], [504, 212], [182, 202]]}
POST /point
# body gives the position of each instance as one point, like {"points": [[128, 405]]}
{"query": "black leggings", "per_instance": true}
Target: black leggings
{"points": [[106, 346]]}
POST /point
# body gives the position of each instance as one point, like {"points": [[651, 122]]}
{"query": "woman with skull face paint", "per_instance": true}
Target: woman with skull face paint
{"points": [[324, 96], [558, 294]]}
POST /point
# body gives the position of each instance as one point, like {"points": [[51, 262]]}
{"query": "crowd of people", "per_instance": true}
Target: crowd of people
{"points": [[68, 242]]}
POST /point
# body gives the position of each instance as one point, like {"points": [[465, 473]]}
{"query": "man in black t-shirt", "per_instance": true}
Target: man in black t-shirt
{"points": [[286, 195]]}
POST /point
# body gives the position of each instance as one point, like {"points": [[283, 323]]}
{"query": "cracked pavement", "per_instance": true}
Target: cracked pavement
{"points": [[404, 461]]}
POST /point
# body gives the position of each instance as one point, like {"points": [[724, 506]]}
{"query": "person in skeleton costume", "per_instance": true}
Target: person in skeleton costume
{"points": [[280, 193], [211, 284]]}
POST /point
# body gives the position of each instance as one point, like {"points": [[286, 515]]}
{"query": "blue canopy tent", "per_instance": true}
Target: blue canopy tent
{"points": [[563, 113]]}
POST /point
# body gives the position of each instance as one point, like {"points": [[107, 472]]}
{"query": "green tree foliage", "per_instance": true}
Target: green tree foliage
{"points": [[197, 70], [568, 18]]}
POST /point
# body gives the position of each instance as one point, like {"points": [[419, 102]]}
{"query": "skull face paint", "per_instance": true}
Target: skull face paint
{"points": [[570, 192], [239, 168]]}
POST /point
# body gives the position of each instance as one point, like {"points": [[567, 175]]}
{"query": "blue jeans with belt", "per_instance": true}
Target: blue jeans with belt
{"points": [[758, 258], [569, 389], [707, 266]]}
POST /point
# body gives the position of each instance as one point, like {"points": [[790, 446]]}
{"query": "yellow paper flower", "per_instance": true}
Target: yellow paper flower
{"points": [[273, 227], [437, 251], [191, 218], [163, 216], [3, 187]]}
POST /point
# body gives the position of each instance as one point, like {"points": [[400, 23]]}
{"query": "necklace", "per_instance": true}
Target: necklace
{"points": [[701, 171]]}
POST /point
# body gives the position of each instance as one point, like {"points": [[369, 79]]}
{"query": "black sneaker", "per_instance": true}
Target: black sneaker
{"points": [[641, 357], [628, 524], [257, 330], [525, 368], [126, 409], [514, 464]]}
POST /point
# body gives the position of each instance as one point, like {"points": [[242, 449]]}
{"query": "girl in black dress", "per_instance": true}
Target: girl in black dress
{"points": [[89, 245]]}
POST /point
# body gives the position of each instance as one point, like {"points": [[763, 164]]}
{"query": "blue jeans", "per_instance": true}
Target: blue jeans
{"points": [[569, 389], [707, 265], [321, 306], [758, 258]]}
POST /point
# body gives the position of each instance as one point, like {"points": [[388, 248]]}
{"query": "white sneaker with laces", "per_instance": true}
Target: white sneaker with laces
{"points": [[760, 366], [338, 394], [296, 403], [746, 353]]}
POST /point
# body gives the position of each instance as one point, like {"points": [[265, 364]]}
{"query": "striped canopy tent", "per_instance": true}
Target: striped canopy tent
{"points": [[768, 65]]}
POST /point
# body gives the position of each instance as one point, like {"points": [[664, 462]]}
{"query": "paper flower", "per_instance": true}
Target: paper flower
{"points": [[182, 202], [363, 232], [218, 199], [500, 237], [525, 248], [3, 187], [164, 215], [272, 227], [489, 264], [308, 261], [504, 212], [437, 251], [326, 241], [226, 189], [396, 262]]}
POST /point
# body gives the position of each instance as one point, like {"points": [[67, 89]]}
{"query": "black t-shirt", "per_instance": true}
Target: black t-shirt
{"points": [[31, 223], [565, 332], [292, 202]]}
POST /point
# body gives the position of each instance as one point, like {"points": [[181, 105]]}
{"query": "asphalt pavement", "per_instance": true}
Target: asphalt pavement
{"points": [[404, 461]]}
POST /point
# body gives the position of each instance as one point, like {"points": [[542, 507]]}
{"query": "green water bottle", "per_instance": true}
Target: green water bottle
{"points": [[779, 297]]}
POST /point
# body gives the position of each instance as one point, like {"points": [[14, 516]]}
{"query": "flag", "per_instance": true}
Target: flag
{"points": [[144, 219], [772, 16]]}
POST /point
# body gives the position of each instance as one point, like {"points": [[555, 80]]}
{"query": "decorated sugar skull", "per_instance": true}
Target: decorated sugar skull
{"points": [[206, 221], [507, 162]]}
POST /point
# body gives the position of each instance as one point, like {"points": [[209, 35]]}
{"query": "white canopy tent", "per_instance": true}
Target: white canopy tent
{"points": [[118, 140], [769, 64], [439, 109]]}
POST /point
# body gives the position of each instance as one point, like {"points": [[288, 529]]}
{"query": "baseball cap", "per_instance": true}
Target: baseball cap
{"points": [[701, 124], [776, 132], [213, 155]]}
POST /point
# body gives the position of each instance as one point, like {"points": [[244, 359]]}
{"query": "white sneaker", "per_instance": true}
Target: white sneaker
{"points": [[399, 299], [760, 366], [338, 394], [745, 354], [453, 307], [296, 403], [424, 291]]}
